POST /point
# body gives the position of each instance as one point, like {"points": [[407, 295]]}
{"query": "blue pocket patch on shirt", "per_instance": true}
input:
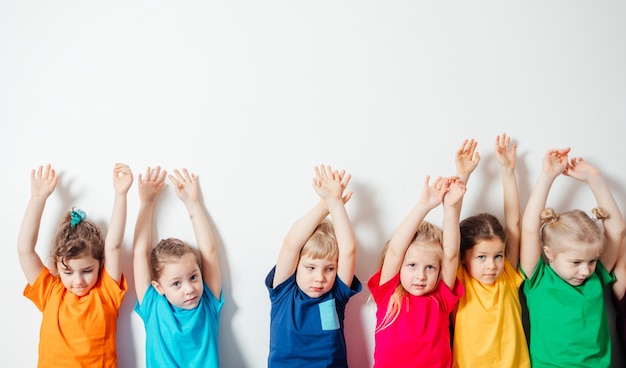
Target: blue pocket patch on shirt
{"points": [[328, 315]]}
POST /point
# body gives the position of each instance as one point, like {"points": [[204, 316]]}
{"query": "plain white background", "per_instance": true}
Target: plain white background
{"points": [[252, 95]]}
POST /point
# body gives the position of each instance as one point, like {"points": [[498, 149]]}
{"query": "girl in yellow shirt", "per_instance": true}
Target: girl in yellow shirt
{"points": [[488, 330]]}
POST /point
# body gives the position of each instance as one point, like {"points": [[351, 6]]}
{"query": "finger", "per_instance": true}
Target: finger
{"points": [[347, 197], [346, 180]]}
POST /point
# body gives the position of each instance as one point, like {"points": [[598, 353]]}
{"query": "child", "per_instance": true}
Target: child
{"points": [[81, 293], [415, 289], [179, 293], [313, 280], [568, 321], [488, 330]]}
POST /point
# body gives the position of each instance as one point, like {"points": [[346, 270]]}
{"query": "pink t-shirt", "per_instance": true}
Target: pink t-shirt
{"points": [[420, 336]]}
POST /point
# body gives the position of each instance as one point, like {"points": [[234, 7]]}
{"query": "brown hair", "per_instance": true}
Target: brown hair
{"points": [[322, 244], [75, 241], [477, 228], [167, 250], [427, 236], [574, 225]]}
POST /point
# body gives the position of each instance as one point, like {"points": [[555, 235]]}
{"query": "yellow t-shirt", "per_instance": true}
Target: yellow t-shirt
{"points": [[488, 329], [77, 331]]}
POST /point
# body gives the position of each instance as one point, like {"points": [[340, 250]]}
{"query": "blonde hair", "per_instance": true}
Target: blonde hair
{"points": [[573, 226], [167, 250], [428, 237], [322, 244], [72, 241]]}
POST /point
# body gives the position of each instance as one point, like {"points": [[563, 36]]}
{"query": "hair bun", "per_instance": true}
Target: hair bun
{"points": [[600, 213], [548, 216]]}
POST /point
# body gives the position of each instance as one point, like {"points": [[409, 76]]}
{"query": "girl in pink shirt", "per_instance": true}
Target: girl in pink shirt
{"points": [[415, 289]]}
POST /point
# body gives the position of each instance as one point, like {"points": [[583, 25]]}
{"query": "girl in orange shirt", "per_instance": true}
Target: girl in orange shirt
{"points": [[81, 293]]}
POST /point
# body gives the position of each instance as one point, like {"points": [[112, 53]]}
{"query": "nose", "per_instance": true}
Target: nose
{"points": [[491, 264], [420, 275], [319, 276], [187, 288]]}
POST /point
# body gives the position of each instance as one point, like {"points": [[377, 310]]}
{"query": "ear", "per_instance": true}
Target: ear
{"points": [[157, 287], [548, 252]]}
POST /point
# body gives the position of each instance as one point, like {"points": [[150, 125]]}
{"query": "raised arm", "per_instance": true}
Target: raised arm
{"points": [[614, 225], [122, 180], [188, 191], [42, 184], [149, 188], [298, 235], [329, 184], [554, 163], [432, 196], [505, 155], [451, 232]]}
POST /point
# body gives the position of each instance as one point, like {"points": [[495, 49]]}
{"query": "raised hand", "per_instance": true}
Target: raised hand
{"points": [[151, 183], [505, 153], [456, 190], [329, 183], [433, 193], [579, 169], [122, 178], [466, 158], [555, 161], [43, 180], [186, 186]]}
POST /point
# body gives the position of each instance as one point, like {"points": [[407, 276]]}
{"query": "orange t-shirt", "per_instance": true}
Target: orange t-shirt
{"points": [[77, 331]]}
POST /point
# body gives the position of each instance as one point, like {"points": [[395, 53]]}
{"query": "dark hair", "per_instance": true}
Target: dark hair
{"points": [[72, 242], [477, 228], [167, 250]]}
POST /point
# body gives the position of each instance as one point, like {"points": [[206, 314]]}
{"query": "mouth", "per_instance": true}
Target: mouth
{"points": [[191, 300], [317, 289]]}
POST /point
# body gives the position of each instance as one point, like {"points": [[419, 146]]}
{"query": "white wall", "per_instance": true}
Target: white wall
{"points": [[252, 95]]}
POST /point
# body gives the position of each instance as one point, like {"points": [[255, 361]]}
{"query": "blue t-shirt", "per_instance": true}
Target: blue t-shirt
{"points": [[177, 337], [305, 331]]}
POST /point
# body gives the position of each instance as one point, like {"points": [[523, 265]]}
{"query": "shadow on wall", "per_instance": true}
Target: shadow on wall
{"points": [[230, 353], [359, 310]]}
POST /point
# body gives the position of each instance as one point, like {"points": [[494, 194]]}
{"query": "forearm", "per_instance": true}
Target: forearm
{"points": [[451, 244], [117, 225], [346, 240], [27, 239], [511, 214], [407, 229], [530, 249]]}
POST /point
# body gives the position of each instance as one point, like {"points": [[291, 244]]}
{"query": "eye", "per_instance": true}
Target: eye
{"points": [[593, 262], [330, 269], [576, 262], [412, 265], [310, 268], [88, 271], [67, 272], [481, 257], [431, 267], [176, 283], [499, 256], [194, 277]]}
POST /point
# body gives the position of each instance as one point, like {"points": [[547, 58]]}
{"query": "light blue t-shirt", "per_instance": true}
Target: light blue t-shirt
{"points": [[178, 337]]}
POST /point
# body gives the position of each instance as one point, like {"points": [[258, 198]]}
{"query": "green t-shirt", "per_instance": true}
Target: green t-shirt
{"points": [[568, 324]]}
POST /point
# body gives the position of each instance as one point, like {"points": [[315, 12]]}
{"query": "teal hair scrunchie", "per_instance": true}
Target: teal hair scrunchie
{"points": [[78, 215]]}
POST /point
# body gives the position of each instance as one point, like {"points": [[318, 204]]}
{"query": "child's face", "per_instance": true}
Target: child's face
{"points": [[80, 275], [419, 273], [575, 264], [315, 277], [181, 282], [485, 261]]}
